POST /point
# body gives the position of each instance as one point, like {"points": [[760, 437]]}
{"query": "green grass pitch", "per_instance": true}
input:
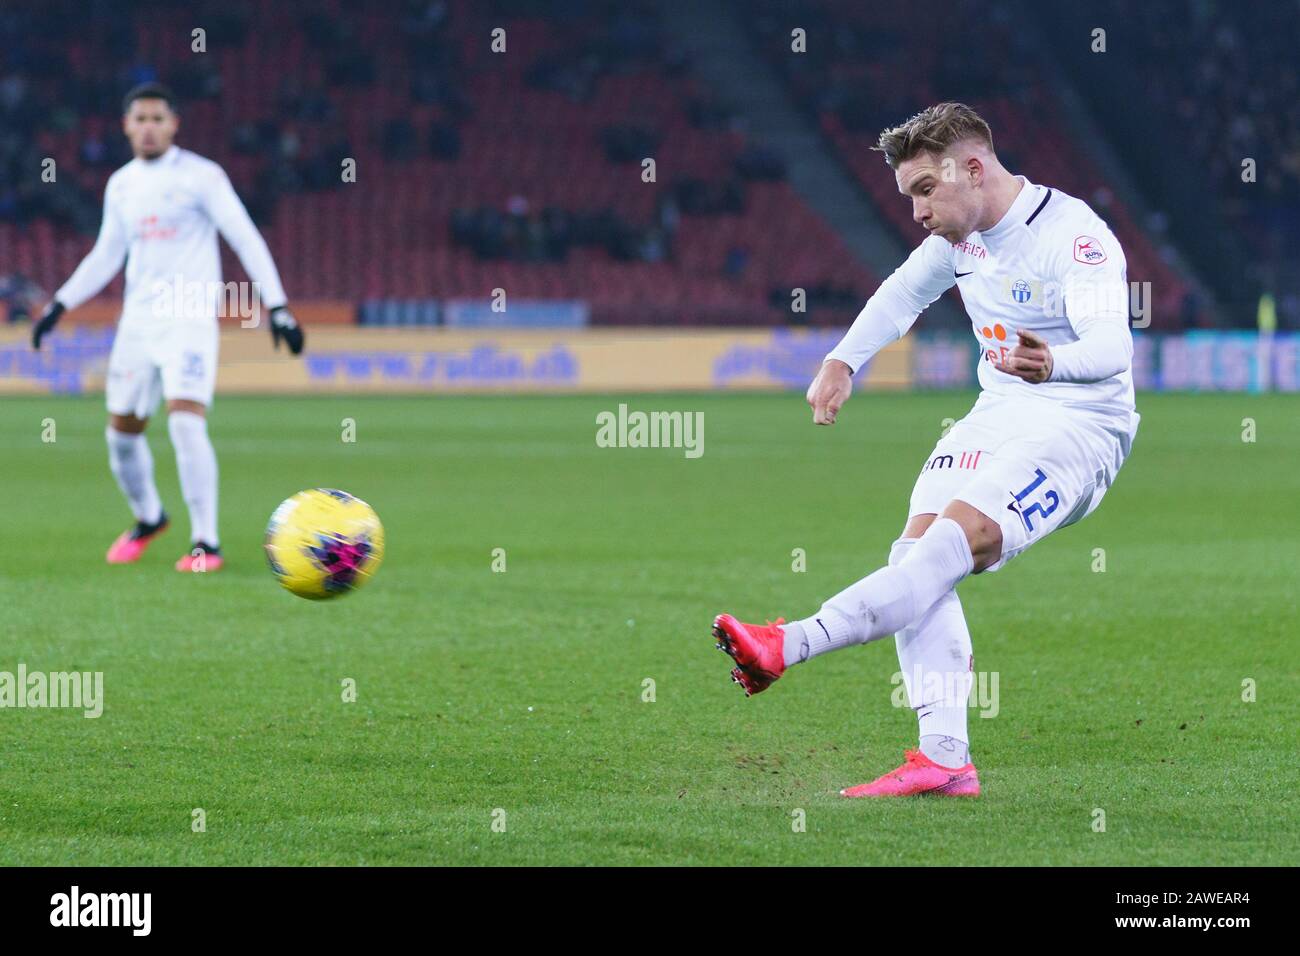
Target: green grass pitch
{"points": [[522, 691]]}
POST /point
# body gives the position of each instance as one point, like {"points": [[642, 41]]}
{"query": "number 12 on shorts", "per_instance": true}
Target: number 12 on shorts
{"points": [[1026, 511]]}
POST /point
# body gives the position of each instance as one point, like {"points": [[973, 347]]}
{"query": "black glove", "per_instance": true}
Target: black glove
{"points": [[285, 326], [45, 324]]}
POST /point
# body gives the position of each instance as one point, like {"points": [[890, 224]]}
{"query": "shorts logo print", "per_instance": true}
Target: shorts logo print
{"points": [[968, 459]]}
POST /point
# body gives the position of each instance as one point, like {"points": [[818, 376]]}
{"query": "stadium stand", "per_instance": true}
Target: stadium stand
{"points": [[522, 170], [1203, 93], [475, 170], [869, 67]]}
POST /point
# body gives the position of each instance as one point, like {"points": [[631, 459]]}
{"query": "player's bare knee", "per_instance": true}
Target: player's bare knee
{"points": [[986, 548], [127, 424], [983, 534], [185, 405], [985, 538], [917, 525]]}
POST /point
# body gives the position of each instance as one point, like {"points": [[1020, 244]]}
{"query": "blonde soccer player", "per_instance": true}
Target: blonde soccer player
{"points": [[1043, 280]]}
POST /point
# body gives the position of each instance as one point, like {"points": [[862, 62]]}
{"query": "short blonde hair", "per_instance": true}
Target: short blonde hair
{"points": [[933, 130]]}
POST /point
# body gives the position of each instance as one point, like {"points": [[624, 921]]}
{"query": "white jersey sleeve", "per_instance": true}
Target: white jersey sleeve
{"points": [[103, 261], [232, 220], [1092, 275], [925, 275]]}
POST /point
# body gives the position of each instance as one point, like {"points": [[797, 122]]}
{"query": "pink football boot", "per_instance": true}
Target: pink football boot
{"points": [[757, 649], [920, 775], [131, 544], [201, 559]]}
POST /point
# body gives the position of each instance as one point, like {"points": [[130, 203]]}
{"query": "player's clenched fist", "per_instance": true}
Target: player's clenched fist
{"points": [[829, 391], [1030, 360]]}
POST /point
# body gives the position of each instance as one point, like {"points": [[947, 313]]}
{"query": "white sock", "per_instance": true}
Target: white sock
{"points": [[934, 656], [815, 635], [945, 751], [888, 599], [131, 462], [197, 464]]}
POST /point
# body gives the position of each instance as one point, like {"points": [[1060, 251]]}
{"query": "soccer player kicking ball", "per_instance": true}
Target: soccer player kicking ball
{"points": [[1044, 282], [162, 212]]}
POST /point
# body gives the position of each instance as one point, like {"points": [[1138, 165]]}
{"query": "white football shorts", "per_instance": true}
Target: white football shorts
{"points": [[1031, 465], [152, 361]]}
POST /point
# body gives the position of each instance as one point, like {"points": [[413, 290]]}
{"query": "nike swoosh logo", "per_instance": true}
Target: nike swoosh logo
{"points": [[960, 274]]}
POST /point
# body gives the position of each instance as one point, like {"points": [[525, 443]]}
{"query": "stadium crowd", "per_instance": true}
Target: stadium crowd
{"points": [[1202, 76]]}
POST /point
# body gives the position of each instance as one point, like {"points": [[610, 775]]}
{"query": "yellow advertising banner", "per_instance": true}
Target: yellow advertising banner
{"points": [[351, 359]]}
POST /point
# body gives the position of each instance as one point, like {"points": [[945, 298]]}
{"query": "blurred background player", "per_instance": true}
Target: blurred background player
{"points": [[162, 213], [1044, 281]]}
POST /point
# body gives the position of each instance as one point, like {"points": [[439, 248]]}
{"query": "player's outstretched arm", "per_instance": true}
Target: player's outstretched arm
{"points": [[95, 271], [887, 316], [829, 391], [235, 225]]}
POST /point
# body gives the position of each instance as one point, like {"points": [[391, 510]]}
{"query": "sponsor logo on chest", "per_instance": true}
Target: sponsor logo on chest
{"points": [[970, 249], [154, 227]]}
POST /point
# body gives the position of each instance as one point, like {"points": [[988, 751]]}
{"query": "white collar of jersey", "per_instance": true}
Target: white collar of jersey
{"points": [[1021, 207]]}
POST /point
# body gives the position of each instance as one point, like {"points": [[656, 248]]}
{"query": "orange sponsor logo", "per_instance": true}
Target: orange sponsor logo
{"points": [[994, 349]]}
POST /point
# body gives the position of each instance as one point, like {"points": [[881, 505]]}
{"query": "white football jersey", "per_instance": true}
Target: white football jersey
{"points": [[162, 216], [1050, 266]]}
